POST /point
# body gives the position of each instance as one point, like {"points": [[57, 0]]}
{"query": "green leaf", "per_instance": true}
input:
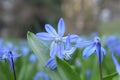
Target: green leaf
{"points": [[66, 71], [40, 50], [109, 77], [42, 53]]}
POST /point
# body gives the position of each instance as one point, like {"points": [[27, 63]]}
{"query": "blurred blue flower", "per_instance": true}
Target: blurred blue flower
{"points": [[25, 50], [8, 55], [94, 46], [57, 45], [41, 76], [32, 58], [88, 74], [117, 65], [113, 43]]}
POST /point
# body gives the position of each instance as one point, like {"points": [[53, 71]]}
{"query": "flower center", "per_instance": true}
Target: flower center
{"points": [[58, 39]]}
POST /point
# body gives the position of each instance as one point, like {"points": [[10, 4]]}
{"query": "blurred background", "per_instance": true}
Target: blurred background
{"points": [[81, 16]]}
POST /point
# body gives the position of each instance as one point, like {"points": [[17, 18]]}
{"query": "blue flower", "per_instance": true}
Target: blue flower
{"points": [[32, 58], [41, 76], [113, 43], [94, 46], [117, 65], [60, 46], [68, 50], [8, 55], [57, 45]]}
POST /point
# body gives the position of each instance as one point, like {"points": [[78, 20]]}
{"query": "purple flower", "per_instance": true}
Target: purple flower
{"points": [[8, 55], [57, 45], [60, 46], [93, 46], [68, 50]]}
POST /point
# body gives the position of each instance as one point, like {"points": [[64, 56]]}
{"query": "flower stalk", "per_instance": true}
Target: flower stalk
{"points": [[13, 66], [100, 59]]}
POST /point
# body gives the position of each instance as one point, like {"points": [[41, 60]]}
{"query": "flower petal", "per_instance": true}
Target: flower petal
{"points": [[116, 63], [60, 50], [75, 38], [84, 43], [51, 63], [53, 49], [88, 51], [45, 36], [72, 50], [50, 30], [61, 27], [50, 60]]}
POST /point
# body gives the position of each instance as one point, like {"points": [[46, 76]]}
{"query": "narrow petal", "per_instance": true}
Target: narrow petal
{"points": [[61, 27], [53, 66], [45, 36], [75, 38], [72, 50], [53, 49], [10, 63], [51, 63], [88, 51], [50, 30], [84, 43], [60, 50], [50, 60], [116, 63]]}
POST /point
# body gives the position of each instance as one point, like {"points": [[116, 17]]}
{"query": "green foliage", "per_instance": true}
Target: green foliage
{"points": [[66, 71], [110, 76]]}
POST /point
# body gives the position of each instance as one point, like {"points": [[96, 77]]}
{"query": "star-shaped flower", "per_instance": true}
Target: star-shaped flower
{"points": [[60, 45], [57, 39]]}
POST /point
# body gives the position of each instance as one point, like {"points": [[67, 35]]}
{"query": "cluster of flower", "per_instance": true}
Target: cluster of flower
{"points": [[64, 47]]}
